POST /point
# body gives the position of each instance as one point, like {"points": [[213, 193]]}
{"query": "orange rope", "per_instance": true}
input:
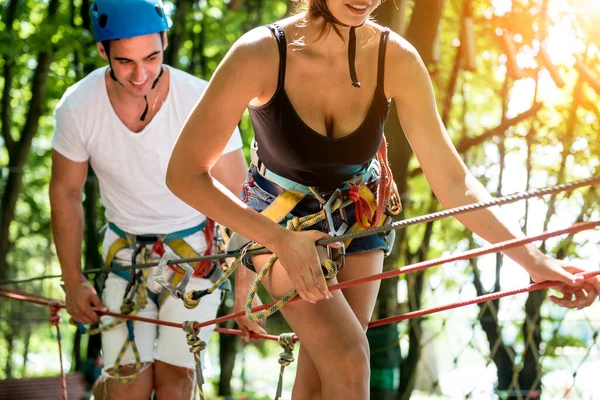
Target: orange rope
{"points": [[384, 275], [362, 208], [55, 307]]}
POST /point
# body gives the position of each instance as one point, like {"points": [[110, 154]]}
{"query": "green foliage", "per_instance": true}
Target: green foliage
{"points": [[564, 142]]}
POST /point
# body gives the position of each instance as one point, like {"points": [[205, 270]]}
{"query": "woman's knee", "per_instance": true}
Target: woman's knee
{"points": [[350, 366]]}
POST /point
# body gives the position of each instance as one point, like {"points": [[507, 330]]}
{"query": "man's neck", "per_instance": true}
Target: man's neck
{"points": [[129, 108]]}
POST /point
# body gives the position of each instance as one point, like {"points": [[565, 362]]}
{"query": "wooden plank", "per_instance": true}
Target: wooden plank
{"points": [[41, 388]]}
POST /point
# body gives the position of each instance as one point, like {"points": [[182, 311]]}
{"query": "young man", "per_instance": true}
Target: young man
{"points": [[124, 120]]}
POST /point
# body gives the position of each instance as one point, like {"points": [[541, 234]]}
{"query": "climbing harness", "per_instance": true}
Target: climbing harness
{"points": [[41, 300], [137, 292], [369, 213]]}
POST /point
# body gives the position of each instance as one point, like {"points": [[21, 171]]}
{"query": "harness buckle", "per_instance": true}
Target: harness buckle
{"points": [[178, 290]]}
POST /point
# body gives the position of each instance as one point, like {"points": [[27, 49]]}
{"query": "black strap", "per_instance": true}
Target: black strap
{"points": [[352, 56], [143, 117], [381, 59], [282, 45]]}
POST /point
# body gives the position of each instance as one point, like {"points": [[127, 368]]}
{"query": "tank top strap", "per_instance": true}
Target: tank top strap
{"points": [[381, 60], [282, 45]]}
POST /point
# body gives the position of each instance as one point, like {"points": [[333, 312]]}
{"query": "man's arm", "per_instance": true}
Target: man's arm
{"points": [[66, 184], [231, 171]]}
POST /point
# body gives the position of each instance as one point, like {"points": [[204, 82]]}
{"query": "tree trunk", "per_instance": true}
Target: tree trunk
{"points": [[416, 281], [27, 341], [386, 358], [20, 149], [228, 345], [77, 362], [177, 33], [10, 344], [423, 30]]}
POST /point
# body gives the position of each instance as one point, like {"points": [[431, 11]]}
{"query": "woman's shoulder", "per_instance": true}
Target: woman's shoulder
{"points": [[398, 48]]}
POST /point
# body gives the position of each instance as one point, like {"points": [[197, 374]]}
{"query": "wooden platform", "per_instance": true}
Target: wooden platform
{"points": [[47, 388]]}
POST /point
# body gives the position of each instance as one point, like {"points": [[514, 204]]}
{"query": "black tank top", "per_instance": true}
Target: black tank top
{"points": [[290, 148]]}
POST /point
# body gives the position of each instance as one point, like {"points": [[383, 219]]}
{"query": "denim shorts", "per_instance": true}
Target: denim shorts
{"points": [[258, 193]]}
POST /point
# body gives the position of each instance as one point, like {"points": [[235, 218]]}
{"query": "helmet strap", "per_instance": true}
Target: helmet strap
{"points": [[351, 45], [143, 117]]}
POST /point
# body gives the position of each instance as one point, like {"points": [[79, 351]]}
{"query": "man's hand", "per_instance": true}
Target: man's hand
{"points": [[243, 280], [81, 297], [246, 325]]}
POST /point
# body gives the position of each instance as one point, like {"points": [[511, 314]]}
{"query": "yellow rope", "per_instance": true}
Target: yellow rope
{"points": [[295, 224], [192, 298], [196, 346], [286, 340]]}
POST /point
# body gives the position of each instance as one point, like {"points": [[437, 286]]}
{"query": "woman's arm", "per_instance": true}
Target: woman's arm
{"points": [[409, 85], [248, 72]]}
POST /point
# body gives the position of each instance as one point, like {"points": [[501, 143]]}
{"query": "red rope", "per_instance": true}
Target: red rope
{"points": [[428, 264], [32, 298], [480, 299], [384, 275], [362, 208], [55, 307]]}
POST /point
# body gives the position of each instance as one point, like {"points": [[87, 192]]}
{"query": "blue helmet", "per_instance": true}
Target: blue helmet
{"points": [[121, 19]]}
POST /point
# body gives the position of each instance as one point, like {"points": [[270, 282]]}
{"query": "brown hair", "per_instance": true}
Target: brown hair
{"points": [[316, 9]]}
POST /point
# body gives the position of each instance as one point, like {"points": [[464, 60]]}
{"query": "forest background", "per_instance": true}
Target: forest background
{"points": [[517, 84]]}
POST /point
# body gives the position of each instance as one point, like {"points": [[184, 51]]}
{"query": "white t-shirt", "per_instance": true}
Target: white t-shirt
{"points": [[131, 167]]}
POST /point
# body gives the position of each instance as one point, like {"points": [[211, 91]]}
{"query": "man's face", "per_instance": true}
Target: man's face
{"points": [[136, 62]]}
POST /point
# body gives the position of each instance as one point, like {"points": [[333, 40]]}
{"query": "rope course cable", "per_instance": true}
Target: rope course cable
{"points": [[551, 190], [192, 328], [6, 292], [287, 356]]}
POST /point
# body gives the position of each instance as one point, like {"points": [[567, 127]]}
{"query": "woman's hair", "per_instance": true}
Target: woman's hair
{"points": [[316, 9]]}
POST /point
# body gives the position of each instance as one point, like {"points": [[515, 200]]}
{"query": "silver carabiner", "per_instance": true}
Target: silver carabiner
{"points": [[178, 290], [337, 195]]}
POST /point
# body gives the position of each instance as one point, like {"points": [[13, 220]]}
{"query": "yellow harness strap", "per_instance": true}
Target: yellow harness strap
{"points": [[183, 250], [117, 245], [282, 205], [179, 246]]}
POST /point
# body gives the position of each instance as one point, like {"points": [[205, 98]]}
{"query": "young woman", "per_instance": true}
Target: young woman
{"points": [[318, 87]]}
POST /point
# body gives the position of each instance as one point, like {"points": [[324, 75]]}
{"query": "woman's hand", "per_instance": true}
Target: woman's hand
{"points": [[576, 292], [298, 255]]}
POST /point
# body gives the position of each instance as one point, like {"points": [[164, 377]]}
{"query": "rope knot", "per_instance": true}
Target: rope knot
{"points": [[330, 268], [192, 298], [192, 338], [127, 306], [54, 312], [353, 193], [196, 346], [285, 359], [294, 223], [286, 341]]}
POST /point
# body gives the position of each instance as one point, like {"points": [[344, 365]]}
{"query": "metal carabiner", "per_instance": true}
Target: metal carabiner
{"points": [[176, 291], [328, 208]]}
